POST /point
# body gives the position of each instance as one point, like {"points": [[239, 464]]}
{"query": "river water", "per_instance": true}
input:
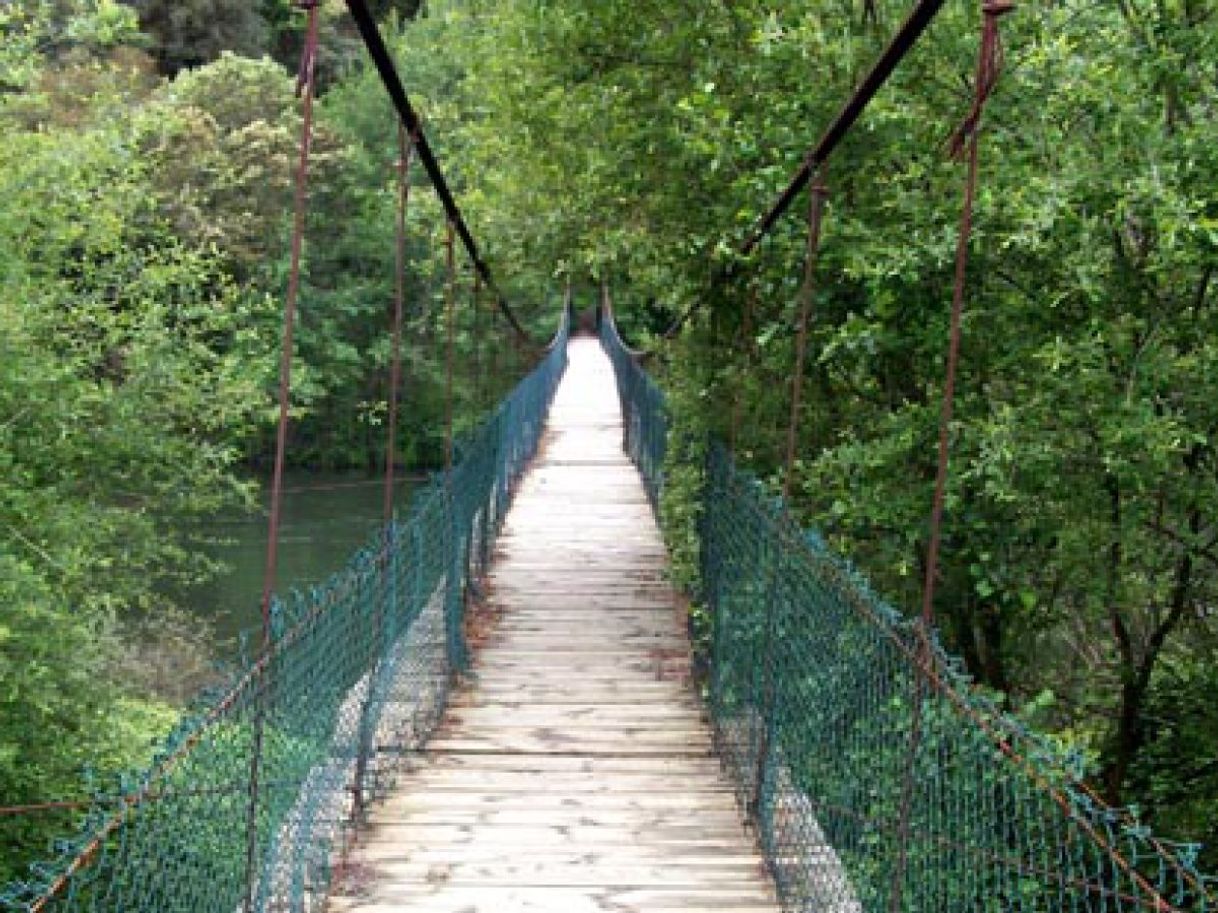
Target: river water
{"points": [[326, 517]]}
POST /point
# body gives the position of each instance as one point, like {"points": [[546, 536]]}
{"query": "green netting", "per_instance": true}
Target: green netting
{"points": [[356, 678], [644, 426], [878, 779]]}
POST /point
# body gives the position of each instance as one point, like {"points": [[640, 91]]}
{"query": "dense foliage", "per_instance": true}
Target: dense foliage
{"points": [[143, 227]]}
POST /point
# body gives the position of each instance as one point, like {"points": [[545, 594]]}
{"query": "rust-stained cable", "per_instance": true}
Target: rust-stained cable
{"points": [[816, 208], [306, 87], [366, 24], [964, 140]]}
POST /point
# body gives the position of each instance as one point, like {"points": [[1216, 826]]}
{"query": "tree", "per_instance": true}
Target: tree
{"points": [[187, 34], [126, 376]]}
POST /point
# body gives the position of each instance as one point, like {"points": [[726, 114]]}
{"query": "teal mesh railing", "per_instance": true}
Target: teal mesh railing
{"points": [[356, 676], [644, 424], [877, 777]]}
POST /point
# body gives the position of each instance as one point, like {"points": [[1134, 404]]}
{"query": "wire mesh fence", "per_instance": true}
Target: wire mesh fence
{"points": [[644, 421], [878, 779], [247, 802]]}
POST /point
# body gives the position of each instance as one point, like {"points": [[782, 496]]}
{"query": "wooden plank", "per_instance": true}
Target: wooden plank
{"points": [[528, 839], [525, 743], [605, 690], [490, 799], [589, 714], [541, 596], [612, 576], [483, 854], [512, 638], [516, 690], [569, 785], [580, 872], [602, 680], [521, 666], [441, 898], [603, 766], [560, 619]]}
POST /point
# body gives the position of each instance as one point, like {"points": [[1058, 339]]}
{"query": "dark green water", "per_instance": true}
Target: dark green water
{"points": [[326, 517]]}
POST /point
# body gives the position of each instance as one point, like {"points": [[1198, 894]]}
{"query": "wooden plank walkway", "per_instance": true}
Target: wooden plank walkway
{"points": [[573, 772]]}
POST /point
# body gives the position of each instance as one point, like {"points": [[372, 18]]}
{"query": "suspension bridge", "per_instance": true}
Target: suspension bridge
{"points": [[495, 706], [574, 770]]}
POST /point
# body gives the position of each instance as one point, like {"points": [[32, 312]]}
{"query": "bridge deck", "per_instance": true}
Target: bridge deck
{"points": [[573, 773]]}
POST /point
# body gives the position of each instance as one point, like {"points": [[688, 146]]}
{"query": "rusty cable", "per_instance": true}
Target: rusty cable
{"points": [[963, 144], [476, 340], [744, 338], [406, 147], [816, 207], [366, 24], [305, 83], [816, 203], [404, 157], [911, 30], [450, 292]]}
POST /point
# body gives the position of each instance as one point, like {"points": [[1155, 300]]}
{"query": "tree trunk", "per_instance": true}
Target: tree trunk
{"points": [[1136, 676], [988, 629], [1128, 739]]}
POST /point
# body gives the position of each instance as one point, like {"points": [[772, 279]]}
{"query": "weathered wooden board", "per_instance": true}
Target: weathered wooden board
{"points": [[600, 767], [529, 839], [572, 639], [580, 872], [573, 772], [598, 714], [605, 690], [616, 743], [446, 898], [490, 797], [566, 785], [613, 856]]}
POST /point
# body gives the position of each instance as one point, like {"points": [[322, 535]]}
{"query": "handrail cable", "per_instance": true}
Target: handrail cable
{"points": [[902, 42], [306, 87], [371, 36]]}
